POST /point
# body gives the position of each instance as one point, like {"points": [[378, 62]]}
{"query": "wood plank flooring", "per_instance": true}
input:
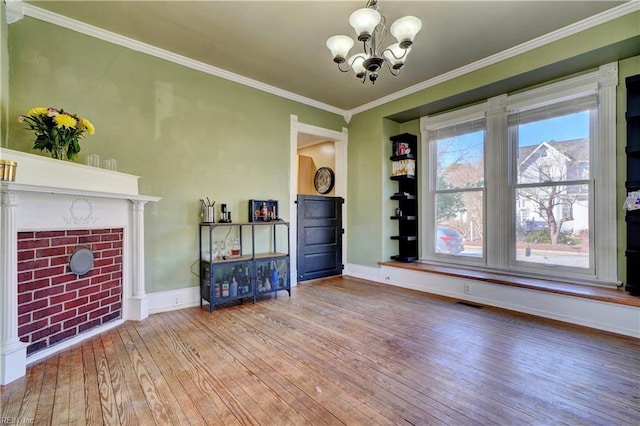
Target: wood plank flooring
{"points": [[339, 351]]}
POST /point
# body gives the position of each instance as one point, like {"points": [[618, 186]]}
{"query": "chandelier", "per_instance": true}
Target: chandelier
{"points": [[370, 26]]}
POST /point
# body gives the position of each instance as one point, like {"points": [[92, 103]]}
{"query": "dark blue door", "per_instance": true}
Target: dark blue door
{"points": [[319, 236]]}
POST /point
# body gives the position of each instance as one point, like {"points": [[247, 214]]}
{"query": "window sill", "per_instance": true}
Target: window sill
{"points": [[610, 295]]}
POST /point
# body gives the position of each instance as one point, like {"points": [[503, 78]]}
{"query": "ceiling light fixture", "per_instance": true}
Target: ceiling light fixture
{"points": [[370, 26]]}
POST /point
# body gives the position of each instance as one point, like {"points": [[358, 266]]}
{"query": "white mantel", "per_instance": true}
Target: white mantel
{"points": [[51, 194]]}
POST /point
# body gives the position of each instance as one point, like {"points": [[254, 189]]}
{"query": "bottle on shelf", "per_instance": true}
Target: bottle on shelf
{"points": [[233, 287], [235, 247], [275, 279], [224, 288]]}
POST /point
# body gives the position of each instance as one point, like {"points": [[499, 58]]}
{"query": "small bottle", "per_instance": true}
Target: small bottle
{"points": [[233, 287], [264, 211], [225, 287], [235, 247], [267, 284], [275, 281]]}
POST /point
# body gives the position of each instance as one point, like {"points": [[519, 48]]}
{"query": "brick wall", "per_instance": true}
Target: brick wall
{"points": [[55, 304]]}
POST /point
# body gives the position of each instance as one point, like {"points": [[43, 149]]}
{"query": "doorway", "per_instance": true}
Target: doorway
{"points": [[305, 134]]}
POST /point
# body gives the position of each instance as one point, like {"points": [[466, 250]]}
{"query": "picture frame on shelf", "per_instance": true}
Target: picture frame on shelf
{"points": [[263, 210]]}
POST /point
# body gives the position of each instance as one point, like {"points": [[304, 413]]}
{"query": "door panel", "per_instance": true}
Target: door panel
{"points": [[319, 236]]}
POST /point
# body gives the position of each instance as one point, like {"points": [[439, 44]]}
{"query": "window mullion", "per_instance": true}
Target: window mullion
{"points": [[498, 210], [605, 176]]}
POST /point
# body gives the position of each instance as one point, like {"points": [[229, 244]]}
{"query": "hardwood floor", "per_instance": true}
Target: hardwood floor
{"points": [[339, 351]]}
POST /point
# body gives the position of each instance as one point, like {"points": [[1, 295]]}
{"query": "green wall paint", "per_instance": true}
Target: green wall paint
{"points": [[186, 133], [189, 134], [4, 76], [366, 154]]}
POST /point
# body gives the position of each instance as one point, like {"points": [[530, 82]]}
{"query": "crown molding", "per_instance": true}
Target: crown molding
{"points": [[90, 30], [111, 37], [13, 11], [593, 21]]}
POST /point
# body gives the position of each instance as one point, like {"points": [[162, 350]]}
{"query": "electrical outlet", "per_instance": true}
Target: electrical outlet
{"points": [[467, 288], [176, 301]]}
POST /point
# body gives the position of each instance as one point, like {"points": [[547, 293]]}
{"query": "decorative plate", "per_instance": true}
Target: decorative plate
{"points": [[324, 180]]}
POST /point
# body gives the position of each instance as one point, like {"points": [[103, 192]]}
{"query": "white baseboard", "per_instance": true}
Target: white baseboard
{"points": [[596, 314], [621, 319], [72, 341], [361, 271], [163, 301]]}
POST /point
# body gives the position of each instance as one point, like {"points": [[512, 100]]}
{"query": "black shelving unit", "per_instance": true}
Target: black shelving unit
{"points": [[252, 271], [632, 217], [404, 160]]}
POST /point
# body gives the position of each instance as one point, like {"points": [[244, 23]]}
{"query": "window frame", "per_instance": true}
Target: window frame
{"points": [[499, 241], [429, 160], [558, 110]]}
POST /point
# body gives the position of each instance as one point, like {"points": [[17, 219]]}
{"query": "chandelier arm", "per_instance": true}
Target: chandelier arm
{"points": [[345, 70], [393, 72], [404, 55]]}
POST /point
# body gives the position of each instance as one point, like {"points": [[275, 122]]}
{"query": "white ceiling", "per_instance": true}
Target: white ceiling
{"points": [[282, 43]]}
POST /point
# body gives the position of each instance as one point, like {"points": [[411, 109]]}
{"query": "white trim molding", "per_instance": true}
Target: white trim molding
{"points": [[596, 314], [616, 318], [108, 36], [340, 140], [606, 205], [14, 11], [585, 24], [74, 25]]}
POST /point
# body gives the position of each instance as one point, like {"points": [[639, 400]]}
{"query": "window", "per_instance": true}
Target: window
{"points": [[511, 182], [552, 145], [459, 188]]}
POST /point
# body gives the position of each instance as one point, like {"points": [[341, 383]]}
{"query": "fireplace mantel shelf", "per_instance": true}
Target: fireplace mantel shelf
{"points": [[15, 186]]}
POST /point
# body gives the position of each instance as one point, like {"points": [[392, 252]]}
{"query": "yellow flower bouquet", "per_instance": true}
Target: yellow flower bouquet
{"points": [[57, 131]]}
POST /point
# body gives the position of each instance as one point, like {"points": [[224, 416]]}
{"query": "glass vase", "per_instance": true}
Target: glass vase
{"points": [[59, 152]]}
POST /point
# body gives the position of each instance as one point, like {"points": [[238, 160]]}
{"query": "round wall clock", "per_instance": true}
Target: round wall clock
{"points": [[324, 180]]}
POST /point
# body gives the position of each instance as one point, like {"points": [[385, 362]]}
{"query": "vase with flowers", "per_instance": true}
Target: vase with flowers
{"points": [[57, 131]]}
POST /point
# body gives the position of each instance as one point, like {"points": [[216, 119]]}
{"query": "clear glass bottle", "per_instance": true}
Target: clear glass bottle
{"points": [[235, 247]]}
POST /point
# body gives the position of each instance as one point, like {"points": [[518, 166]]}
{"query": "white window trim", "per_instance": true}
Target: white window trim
{"points": [[497, 250]]}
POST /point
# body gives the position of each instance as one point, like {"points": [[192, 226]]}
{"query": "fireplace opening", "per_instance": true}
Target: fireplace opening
{"points": [[55, 303]]}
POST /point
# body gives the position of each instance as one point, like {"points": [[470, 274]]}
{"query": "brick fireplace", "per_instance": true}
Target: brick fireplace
{"points": [[54, 304], [51, 210]]}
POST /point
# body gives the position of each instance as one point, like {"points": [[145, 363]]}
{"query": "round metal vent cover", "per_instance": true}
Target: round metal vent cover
{"points": [[81, 261]]}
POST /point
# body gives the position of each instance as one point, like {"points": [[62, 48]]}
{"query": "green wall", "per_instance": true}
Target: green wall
{"points": [[186, 133], [190, 134], [4, 76]]}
